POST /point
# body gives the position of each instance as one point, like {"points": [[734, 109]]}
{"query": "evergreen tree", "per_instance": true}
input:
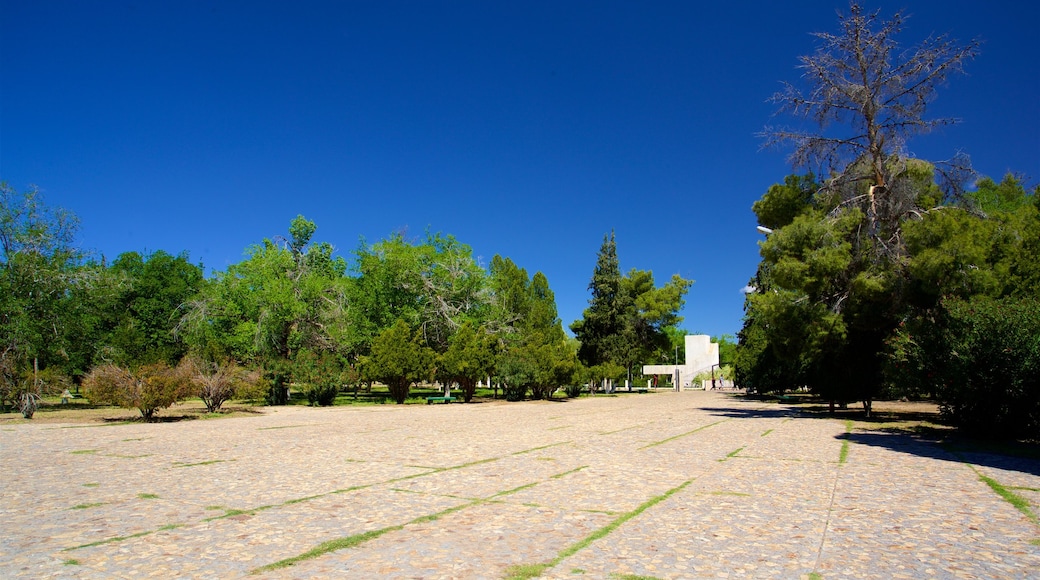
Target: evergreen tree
{"points": [[602, 323]]}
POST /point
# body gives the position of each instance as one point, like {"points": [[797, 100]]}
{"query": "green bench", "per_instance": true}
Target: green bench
{"points": [[439, 399]]}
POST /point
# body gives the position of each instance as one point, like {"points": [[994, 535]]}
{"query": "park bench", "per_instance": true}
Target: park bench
{"points": [[439, 399]]}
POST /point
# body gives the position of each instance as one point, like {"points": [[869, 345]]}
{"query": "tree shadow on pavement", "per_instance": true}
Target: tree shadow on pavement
{"points": [[1010, 456]]}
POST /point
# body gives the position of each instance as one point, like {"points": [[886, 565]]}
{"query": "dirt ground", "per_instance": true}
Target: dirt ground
{"points": [[81, 411]]}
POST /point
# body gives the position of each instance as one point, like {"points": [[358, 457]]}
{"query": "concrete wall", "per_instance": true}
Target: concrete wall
{"points": [[701, 355]]}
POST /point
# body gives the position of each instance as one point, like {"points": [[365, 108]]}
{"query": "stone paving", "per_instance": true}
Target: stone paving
{"points": [[661, 485]]}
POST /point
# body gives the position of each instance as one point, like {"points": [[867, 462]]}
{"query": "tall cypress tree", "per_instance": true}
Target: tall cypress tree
{"points": [[603, 321]]}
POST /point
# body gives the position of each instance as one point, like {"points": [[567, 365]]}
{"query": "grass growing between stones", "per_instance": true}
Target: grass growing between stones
{"points": [[732, 454], [843, 455], [147, 496], [358, 539], [1018, 502], [84, 506], [681, 435], [210, 462], [524, 571], [352, 541], [121, 538]]}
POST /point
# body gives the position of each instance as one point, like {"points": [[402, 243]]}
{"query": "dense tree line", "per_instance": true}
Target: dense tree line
{"points": [[882, 275], [147, 330]]}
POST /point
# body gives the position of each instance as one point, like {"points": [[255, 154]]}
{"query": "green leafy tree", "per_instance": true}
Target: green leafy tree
{"points": [[399, 359], [603, 322], [830, 289], [152, 294], [628, 319], [535, 354], [321, 375], [980, 357], [434, 286], [982, 250], [38, 268], [470, 357], [287, 295]]}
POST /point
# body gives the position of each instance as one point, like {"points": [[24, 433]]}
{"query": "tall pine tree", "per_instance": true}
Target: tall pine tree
{"points": [[603, 321]]}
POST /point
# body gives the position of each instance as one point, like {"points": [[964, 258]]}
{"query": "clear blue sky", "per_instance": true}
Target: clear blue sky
{"points": [[527, 129]]}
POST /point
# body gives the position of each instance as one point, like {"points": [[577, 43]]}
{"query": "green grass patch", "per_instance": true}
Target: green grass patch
{"points": [[70, 562], [1021, 488], [732, 454], [514, 490], [229, 513], [566, 473], [632, 577], [535, 570], [303, 499], [815, 576], [352, 541], [110, 424], [286, 427], [538, 448], [606, 530], [620, 430], [147, 496], [577, 571], [210, 462], [84, 506], [767, 432], [681, 435], [121, 538], [1020, 503], [211, 508], [91, 484], [85, 451], [525, 571], [843, 455], [1035, 541]]}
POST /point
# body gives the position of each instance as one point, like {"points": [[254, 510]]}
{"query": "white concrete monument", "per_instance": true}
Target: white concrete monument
{"points": [[701, 355]]}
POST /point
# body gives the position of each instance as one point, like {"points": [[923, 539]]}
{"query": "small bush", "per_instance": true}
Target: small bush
{"points": [[573, 391], [147, 388], [323, 394], [514, 392], [984, 360]]}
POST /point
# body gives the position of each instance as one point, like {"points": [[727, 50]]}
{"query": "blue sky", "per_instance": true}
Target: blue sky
{"points": [[526, 129]]}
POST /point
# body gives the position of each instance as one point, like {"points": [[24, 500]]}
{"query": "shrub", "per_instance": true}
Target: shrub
{"points": [[147, 388], [218, 382], [984, 361], [320, 374], [514, 392]]}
